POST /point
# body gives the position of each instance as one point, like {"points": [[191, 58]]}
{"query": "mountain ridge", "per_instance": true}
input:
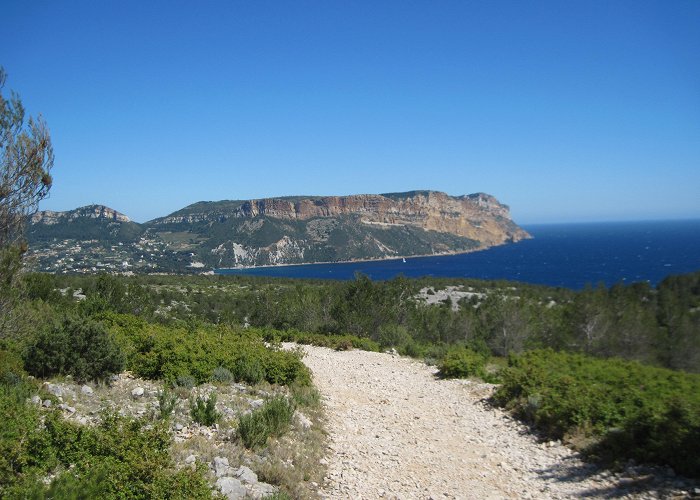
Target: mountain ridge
{"points": [[270, 231]]}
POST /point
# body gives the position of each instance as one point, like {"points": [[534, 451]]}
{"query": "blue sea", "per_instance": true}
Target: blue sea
{"points": [[561, 255]]}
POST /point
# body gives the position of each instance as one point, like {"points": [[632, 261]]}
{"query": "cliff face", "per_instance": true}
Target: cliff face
{"points": [[271, 231], [476, 216], [89, 212]]}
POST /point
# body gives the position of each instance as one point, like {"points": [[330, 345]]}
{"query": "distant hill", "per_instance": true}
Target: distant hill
{"points": [[289, 230]]}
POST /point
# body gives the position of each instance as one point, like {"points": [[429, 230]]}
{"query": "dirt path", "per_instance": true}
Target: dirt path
{"points": [[398, 432]]}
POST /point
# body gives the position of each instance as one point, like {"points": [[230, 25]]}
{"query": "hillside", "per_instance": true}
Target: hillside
{"points": [[271, 231]]}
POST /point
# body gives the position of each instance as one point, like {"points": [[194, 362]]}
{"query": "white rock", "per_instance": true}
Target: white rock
{"points": [[260, 490], [54, 389], [231, 488], [178, 427], [138, 392], [246, 475], [190, 459], [221, 467], [46, 403], [36, 400], [256, 403], [87, 390], [302, 420]]}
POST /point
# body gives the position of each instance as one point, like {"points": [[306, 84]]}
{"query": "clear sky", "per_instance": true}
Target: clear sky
{"points": [[570, 110]]}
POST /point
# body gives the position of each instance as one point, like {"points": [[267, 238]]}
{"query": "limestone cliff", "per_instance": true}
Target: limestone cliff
{"points": [[90, 212], [288, 230]]}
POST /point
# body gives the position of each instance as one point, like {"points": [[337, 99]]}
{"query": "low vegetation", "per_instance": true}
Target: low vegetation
{"points": [[611, 408], [271, 419], [187, 331]]}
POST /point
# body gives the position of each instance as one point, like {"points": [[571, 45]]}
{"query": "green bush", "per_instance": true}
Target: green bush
{"points": [[305, 395], [629, 410], [119, 458], [222, 375], [11, 367], [461, 362], [159, 352], [22, 444], [203, 411], [185, 381], [79, 347], [166, 403], [249, 369], [271, 419]]}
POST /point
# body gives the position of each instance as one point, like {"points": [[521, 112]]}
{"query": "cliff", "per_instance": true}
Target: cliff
{"points": [[288, 230]]}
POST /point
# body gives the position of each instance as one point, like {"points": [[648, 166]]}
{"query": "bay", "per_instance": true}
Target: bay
{"points": [[560, 255]]}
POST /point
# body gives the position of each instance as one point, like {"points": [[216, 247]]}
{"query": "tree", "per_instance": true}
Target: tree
{"points": [[26, 157]]}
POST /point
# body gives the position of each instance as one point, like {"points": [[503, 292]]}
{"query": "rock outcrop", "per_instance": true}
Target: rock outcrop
{"points": [[89, 212], [272, 231]]}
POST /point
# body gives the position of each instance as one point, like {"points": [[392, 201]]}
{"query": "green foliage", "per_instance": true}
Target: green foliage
{"points": [[25, 163], [22, 444], [222, 375], [169, 353], [203, 411], [249, 369], [461, 362], [305, 396], [166, 403], [79, 347], [392, 335], [185, 381], [272, 419], [633, 411], [337, 342]]}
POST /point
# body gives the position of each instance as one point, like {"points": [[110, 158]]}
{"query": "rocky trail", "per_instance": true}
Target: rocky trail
{"points": [[396, 431]]}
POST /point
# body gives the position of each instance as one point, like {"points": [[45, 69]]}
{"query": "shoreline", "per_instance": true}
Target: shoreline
{"points": [[354, 261]]}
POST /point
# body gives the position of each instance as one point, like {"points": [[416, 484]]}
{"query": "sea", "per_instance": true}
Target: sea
{"points": [[560, 255]]}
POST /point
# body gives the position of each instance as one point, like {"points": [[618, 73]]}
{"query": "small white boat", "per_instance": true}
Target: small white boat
{"points": [[403, 259]]}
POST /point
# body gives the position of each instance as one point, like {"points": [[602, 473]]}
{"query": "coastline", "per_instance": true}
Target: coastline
{"points": [[355, 261]]}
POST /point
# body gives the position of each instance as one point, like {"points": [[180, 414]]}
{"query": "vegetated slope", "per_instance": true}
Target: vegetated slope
{"points": [[397, 431], [287, 230]]}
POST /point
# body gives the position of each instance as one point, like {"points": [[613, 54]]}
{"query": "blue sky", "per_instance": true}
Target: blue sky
{"points": [[567, 111]]}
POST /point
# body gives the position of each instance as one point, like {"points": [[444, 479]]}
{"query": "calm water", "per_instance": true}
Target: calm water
{"points": [[566, 255]]}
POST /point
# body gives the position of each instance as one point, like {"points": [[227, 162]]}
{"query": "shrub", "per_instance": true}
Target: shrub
{"points": [[249, 369], [157, 352], [222, 375], [305, 395], [11, 370], [203, 411], [22, 447], [79, 347], [630, 410], [166, 403], [271, 419], [393, 335], [461, 362], [185, 381]]}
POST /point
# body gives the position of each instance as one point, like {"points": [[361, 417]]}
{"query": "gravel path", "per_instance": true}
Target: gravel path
{"points": [[398, 432]]}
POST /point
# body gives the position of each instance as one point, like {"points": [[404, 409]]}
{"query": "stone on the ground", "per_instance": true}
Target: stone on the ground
{"points": [[46, 403], [36, 400], [221, 467], [87, 390], [246, 475], [260, 490], [190, 459], [231, 488], [302, 420], [54, 389], [138, 392]]}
